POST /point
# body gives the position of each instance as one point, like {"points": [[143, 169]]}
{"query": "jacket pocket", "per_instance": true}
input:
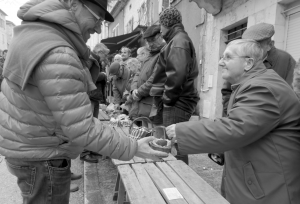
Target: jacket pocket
{"points": [[252, 182], [25, 176]]}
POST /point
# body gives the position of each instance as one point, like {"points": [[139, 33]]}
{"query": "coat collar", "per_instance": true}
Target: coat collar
{"points": [[173, 31], [257, 70]]}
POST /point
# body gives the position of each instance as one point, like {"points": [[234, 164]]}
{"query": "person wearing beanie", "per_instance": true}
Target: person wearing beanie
{"points": [[173, 86], [120, 75]]}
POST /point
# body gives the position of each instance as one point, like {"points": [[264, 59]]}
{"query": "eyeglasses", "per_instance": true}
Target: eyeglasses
{"points": [[226, 58], [99, 19]]}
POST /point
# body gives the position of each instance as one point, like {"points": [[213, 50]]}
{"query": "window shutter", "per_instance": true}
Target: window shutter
{"points": [[293, 33]]}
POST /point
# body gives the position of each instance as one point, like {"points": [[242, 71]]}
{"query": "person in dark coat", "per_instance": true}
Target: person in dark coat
{"points": [[173, 86], [142, 81], [260, 134], [278, 60]]}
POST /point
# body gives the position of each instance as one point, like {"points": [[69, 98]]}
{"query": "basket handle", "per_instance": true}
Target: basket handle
{"points": [[140, 119]]}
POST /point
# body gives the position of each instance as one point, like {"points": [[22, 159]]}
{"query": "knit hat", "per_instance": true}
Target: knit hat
{"points": [[169, 17], [114, 68], [259, 32]]}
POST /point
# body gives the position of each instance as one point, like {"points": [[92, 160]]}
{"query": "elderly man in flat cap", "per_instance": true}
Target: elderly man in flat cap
{"points": [[45, 110], [278, 60], [176, 95], [142, 81], [260, 135]]}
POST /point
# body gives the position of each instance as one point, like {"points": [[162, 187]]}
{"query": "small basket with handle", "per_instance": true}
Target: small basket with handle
{"points": [[140, 132]]}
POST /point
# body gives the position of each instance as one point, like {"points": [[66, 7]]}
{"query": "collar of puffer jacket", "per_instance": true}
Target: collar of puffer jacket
{"points": [[52, 11]]}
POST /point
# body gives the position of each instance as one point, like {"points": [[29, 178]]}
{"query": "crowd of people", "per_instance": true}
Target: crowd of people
{"points": [[50, 103]]}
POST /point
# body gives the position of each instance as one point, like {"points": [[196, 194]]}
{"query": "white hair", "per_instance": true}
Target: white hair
{"points": [[249, 48]]}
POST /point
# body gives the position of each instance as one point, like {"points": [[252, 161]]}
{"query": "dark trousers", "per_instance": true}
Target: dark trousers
{"points": [[173, 115], [46, 182]]}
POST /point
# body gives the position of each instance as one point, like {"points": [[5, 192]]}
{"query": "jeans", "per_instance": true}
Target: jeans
{"points": [[173, 115], [42, 182]]}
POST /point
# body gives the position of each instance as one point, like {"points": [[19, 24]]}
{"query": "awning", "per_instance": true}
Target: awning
{"points": [[116, 43], [132, 40]]}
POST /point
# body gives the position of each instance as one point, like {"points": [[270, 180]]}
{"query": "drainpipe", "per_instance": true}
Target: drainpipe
{"points": [[203, 41]]}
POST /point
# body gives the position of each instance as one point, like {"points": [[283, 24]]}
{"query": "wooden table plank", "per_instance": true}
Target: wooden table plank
{"points": [[138, 160], [169, 158], [182, 187], [148, 186], [119, 162], [197, 184], [133, 188], [161, 182]]}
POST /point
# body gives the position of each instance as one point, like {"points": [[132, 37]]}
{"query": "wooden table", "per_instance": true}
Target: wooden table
{"points": [[171, 182], [146, 181]]}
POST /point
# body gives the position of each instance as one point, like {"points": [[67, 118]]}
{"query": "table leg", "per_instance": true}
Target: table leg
{"points": [[115, 197], [121, 192]]}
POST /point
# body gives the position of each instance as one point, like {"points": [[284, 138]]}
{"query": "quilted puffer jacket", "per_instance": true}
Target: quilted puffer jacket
{"points": [[51, 118]]}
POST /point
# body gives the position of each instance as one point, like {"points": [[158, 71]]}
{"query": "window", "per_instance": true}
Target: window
{"points": [[115, 31], [142, 12], [2, 24], [236, 32], [130, 25]]}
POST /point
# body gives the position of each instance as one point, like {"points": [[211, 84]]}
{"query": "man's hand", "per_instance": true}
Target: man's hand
{"points": [[171, 133], [135, 95], [146, 152]]}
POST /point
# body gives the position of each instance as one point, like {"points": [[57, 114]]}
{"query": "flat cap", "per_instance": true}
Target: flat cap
{"points": [[114, 68], [259, 32], [151, 31]]}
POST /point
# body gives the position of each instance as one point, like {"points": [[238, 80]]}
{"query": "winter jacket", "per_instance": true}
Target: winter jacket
{"points": [[176, 71], [120, 84], [260, 138], [51, 117], [142, 81], [278, 60], [98, 95]]}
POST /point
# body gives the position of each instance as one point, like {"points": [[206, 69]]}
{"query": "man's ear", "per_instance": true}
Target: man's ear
{"points": [[249, 64]]}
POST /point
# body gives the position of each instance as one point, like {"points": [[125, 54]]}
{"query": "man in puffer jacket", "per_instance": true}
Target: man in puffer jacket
{"points": [[46, 117]]}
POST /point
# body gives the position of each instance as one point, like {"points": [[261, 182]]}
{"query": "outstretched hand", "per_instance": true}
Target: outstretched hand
{"points": [[146, 152]]}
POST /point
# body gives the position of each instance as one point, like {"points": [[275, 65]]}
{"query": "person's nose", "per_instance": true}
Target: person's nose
{"points": [[221, 62], [98, 27]]}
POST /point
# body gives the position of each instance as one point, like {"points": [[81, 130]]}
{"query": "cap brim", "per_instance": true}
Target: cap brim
{"points": [[108, 16]]}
